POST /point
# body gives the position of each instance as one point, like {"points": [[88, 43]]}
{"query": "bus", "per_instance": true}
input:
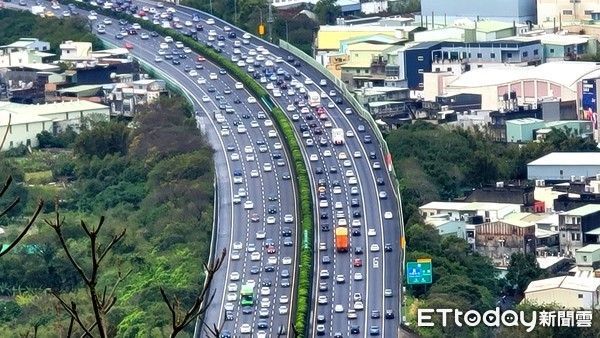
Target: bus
{"points": [[314, 99], [247, 295]]}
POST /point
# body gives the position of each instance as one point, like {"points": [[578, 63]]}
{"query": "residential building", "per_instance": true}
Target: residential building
{"points": [[566, 291], [522, 130], [124, 97], [561, 46], [587, 260], [465, 30], [552, 13], [72, 51], [26, 52], [503, 192], [329, 38], [499, 239], [578, 128], [334, 63], [29, 120], [457, 211], [574, 226], [519, 11], [562, 166]]}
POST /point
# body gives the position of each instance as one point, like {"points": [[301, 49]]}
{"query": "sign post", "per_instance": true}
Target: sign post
{"points": [[419, 272]]}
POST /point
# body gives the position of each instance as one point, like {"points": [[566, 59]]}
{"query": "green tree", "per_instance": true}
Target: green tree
{"points": [[101, 139], [522, 269], [327, 11]]}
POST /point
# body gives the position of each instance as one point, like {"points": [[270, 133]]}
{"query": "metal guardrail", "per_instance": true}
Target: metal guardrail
{"points": [[360, 109]]}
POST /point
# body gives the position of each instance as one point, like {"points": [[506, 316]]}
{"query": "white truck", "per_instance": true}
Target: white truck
{"points": [[337, 136], [37, 10]]}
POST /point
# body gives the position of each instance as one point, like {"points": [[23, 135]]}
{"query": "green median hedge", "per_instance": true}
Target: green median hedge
{"points": [[285, 126]]}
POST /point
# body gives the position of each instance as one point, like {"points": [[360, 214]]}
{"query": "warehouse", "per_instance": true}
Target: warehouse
{"points": [[564, 166]]}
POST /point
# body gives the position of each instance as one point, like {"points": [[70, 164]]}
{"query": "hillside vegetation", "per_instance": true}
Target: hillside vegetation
{"points": [[155, 181]]}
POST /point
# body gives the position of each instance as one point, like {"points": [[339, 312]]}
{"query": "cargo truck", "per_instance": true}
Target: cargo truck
{"points": [[341, 239], [337, 136]]}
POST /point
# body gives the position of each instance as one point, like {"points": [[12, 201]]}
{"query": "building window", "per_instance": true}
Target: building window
{"points": [[577, 237], [469, 55], [509, 55], [585, 258], [11, 144], [580, 295], [420, 86], [26, 126], [588, 12], [449, 69], [561, 172], [479, 55], [419, 58], [28, 142], [567, 12], [464, 55], [479, 66], [493, 55], [535, 52], [420, 71], [525, 54]]}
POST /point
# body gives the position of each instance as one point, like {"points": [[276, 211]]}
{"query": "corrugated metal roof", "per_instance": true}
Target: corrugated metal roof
{"points": [[584, 210], [590, 247]]}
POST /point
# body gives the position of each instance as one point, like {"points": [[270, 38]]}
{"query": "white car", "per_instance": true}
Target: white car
{"points": [[254, 124], [232, 287], [339, 308], [136, 26], [349, 173], [250, 158], [308, 81], [371, 232], [322, 246], [255, 256], [229, 306], [210, 21], [265, 303], [238, 180], [342, 156], [388, 215], [271, 220], [254, 173], [283, 309], [224, 132], [358, 276], [323, 82], [265, 291], [246, 36], [193, 73], [158, 59], [277, 146], [235, 255], [245, 328], [357, 154], [327, 153], [168, 39], [338, 205], [201, 80], [248, 205], [213, 76], [347, 163], [231, 297], [248, 149], [261, 234], [349, 133], [235, 157], [374, 247], [250, 247], [205, 98], [267, 167], [288, 218], [286, 260], [295, 117], [268, 123], [188, 23], [314, 157], [291, 107], [237, 246], [239, 85], [284, 299], [353, 181], [358, 305], [272, 133], [337, 190], [234, 276], [251, 99]]}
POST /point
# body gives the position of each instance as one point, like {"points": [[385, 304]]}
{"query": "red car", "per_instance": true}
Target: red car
{"points": [[128, 45], [357, 262], [201, 58], [271, 249]]}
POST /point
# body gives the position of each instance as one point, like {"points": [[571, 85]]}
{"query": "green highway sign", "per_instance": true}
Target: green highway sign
{"points": [[419, 272]]}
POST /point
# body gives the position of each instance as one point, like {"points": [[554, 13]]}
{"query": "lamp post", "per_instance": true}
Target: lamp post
{"points": [[235, 12]]}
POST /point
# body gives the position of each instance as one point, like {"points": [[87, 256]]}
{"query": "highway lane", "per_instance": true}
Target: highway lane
{"points": [[388, 227], [284, 189], [362, 168]]}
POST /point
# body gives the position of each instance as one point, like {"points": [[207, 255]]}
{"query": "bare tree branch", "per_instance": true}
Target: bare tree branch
{"points": [[25, 230], [72, 311], [6, 133], [180, 318]]}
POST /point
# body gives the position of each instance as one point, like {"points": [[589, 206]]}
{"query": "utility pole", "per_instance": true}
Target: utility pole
{"points": [[211, 9], [270, 22], [287, 36], [235, 12]]}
